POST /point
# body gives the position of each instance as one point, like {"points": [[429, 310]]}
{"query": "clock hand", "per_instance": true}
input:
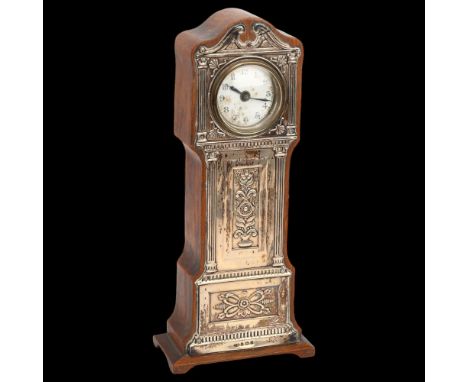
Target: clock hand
{"points": [[261, 99], [235, 89], [245, 95]]}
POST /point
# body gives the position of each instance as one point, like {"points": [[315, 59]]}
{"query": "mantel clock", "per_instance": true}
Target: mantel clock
{"points": [[237, 108]]}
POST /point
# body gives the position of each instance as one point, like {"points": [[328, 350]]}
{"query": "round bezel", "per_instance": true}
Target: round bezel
{"points": [[278, 102]]}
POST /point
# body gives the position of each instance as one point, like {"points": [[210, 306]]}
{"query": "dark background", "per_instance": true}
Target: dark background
{"points": [[115, 198]]}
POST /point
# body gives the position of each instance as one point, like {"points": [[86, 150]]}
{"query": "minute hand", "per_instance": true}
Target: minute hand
{"points": [[261, 99]]}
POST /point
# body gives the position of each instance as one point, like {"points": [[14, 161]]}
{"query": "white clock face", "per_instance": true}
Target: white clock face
{"points": [[246, 96]]}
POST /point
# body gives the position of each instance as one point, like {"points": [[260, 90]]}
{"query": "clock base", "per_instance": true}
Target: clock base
{"points": [[180, 363]]}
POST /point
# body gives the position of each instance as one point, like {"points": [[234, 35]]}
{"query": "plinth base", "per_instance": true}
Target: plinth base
{"points": [[180, 363]]}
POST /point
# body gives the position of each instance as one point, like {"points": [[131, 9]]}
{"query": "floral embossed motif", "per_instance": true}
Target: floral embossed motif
{"points": [[215, 65], [245, 206], [234, 306], [281, 61]]}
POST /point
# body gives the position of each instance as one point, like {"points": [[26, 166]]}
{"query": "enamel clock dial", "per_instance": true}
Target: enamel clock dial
{"points": [[248, 96]]}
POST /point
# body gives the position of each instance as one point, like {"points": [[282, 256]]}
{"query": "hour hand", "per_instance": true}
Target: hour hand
{"points": [[235, 89]]}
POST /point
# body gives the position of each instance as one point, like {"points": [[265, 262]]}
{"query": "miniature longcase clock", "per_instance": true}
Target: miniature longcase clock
{"points": [[237, 107]]}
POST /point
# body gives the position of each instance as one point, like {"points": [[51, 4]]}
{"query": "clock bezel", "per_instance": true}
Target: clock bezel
{"points": [[279, 102]]}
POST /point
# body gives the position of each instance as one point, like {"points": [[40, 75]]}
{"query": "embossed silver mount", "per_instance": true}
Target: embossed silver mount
{"points": [[243, 296]]}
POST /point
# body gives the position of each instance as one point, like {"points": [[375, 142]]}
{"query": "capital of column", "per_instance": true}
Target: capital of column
{"points": [[202, 62], [280, 151], [294, 55], [211, 156]]}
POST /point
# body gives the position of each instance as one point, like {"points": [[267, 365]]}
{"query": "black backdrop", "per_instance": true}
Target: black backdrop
{"points": [[116, 174]]}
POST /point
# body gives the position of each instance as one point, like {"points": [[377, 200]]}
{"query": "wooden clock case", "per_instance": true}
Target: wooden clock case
{"points": [[212, 156]]}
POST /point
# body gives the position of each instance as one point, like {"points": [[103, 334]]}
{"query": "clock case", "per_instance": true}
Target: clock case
{"points": [[235, 283]]}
